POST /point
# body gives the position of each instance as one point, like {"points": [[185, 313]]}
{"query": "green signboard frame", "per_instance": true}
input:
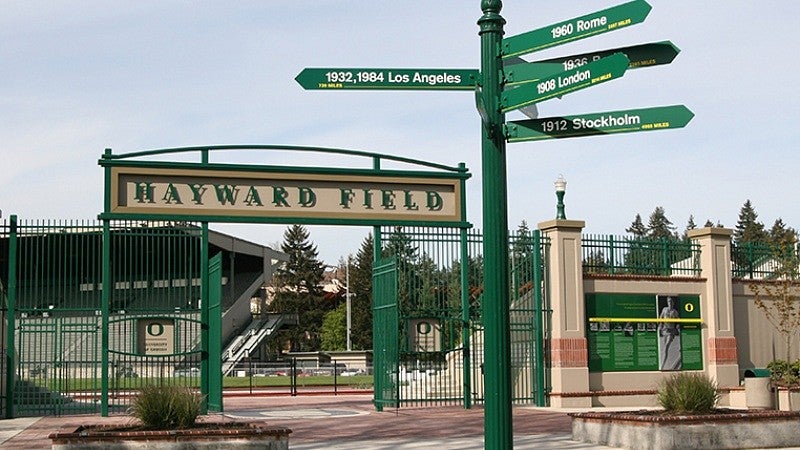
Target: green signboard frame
{"points": [[643, 332], [203, 191]]}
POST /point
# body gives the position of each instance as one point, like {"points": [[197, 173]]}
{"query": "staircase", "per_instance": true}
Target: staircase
{"points": [[255, 333]]}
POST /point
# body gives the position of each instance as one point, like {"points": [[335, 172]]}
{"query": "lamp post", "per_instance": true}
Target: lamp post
{"points": [[561, 188]]}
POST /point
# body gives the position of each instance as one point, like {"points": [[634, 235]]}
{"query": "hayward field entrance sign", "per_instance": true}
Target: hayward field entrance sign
{"points": [[274, 194], [281, 196]]}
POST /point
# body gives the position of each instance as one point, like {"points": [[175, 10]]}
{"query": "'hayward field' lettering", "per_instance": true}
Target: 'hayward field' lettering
{"points": [[282, 196]]}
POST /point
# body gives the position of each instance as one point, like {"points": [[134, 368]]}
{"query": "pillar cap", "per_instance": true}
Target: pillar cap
{"points": [[562, 224], [710, 231]]}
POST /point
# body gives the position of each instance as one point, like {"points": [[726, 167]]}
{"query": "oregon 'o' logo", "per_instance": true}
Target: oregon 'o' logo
{"points": [[424, 327], [689, 307], [155, 329]]}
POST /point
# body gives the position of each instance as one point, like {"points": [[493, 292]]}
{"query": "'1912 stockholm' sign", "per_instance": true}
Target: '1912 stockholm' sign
{"points": [[230, 194]]}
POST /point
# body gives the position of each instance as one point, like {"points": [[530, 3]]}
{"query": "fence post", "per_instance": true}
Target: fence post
{"points": [[466, 331], [538, 318], [11, 293], [105, 308], [611, 259]]}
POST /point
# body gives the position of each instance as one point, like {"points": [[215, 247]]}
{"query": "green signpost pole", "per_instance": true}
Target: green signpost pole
{"points": [[497, 381]]}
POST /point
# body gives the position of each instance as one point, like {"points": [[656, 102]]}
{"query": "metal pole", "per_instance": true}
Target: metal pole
{"points": [[105, 311], [204, 312], [349, 307], [466, 322], [538, 314], [11, 293], [379, 358], [498, 433]]}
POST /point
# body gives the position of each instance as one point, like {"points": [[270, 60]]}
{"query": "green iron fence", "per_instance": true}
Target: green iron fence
{"points": [[441, 345], [63, 337], [762, 260], [628, 255], [52, 271]]}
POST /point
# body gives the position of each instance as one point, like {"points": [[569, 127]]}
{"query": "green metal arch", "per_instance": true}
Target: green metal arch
{"points": [[108, 155]]}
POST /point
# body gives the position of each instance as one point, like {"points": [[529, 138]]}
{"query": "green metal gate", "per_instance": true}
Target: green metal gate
{"points": [[385, 333], [440, 336], [215, 342], [67, 349]]}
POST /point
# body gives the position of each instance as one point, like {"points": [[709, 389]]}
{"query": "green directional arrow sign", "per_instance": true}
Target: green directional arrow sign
{"points": [[626, 121], [417, 79], [530, 72], [643, 55], [593, 73], [593, 24]]}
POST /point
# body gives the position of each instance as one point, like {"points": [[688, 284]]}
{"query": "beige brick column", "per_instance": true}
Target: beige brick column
{"points": [[716, 305], [569, 354]]}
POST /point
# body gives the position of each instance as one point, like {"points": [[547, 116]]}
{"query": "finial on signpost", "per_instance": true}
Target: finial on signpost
{"points": [[491, 19], [491, 5]]}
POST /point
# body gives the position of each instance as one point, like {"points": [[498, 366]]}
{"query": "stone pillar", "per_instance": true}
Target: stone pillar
{"points": [[716, 303], [569, 354]]}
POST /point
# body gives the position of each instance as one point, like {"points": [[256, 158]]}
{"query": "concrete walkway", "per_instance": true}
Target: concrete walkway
{"points": [[342, 422]]}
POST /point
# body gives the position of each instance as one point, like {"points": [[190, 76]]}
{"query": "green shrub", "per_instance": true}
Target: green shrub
{"points": [[783, 373], [166, 407], [688, 393]]}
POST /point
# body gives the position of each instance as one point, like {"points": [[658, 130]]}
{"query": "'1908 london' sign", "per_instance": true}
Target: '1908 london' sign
{"points": [[233, 195]]}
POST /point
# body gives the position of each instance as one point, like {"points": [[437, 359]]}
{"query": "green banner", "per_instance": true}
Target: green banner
{"points": [[611, 122], [643, 332], [591, 74], [415, 79], [589, 25]]}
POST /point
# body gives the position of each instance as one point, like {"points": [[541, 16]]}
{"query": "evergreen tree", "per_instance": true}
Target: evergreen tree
{"points": [[781, 235], [659, 227], [596, 262], [748, 228], [648, 249], [400, 245], [690, 225], [637, 228], [298, 290], [431, 290], [361, 296], [521, 255]]}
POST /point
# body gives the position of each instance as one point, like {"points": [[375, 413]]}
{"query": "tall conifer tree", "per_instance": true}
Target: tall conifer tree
{"points": [[298, 290], [748, 228]]}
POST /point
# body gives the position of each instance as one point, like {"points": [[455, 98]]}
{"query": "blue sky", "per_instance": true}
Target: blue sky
{"points": [[79, 76]]}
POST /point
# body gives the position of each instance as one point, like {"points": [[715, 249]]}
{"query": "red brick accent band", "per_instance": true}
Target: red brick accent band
{"points": [[569, 352], [722, 350]]}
